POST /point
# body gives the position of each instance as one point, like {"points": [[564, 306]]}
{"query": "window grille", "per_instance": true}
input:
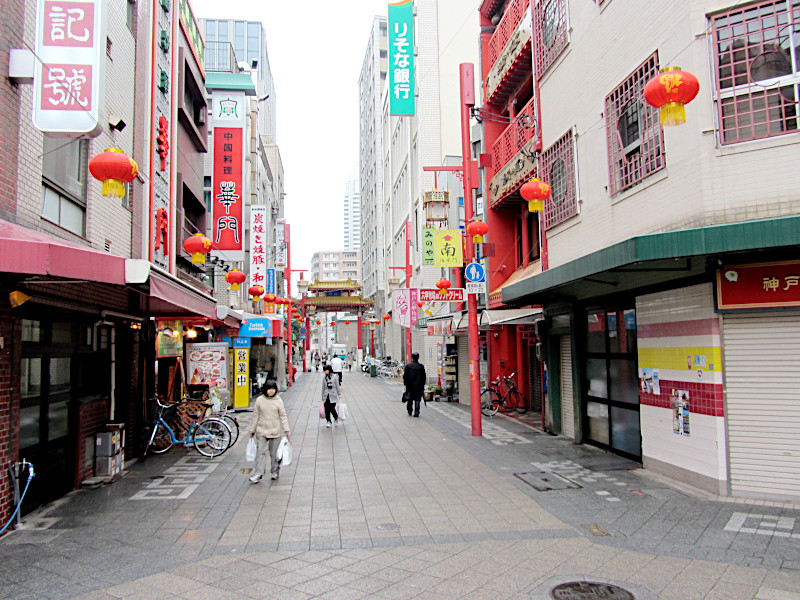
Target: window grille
{"points": [[549, 33], [757, 65], [558, 169], [633, 131]]}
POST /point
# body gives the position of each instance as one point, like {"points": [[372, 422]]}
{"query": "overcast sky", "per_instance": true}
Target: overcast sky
{"points": [[315, 51]]}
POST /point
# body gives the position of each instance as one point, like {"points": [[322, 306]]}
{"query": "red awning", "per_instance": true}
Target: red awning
{"points": [[178, 297], [24, 250]]}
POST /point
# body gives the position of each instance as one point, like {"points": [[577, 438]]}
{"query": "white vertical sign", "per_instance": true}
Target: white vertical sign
{"points": [[70, 67], [258, 245], [280, 244]]}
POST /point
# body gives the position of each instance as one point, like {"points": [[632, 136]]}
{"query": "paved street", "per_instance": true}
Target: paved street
{"points": [[388, 506]]}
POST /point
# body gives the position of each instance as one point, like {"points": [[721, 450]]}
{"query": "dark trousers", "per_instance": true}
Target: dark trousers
{"points": [[330, 410], [340, 377], [413, 400]]}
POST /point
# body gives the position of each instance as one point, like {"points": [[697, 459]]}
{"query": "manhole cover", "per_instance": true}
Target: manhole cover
{"points": [[589, 590], [388, 526], [545, 481]]}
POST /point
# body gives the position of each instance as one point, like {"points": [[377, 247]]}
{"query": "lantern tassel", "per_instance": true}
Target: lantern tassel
{"points": [[113, 188], [477, 239], [235, 287], [536, 206], [673, 113], [198, 258]]}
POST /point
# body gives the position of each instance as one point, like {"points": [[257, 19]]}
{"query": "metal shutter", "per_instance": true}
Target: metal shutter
{"points": [[762, 378], [463, 369], [567, 396]]}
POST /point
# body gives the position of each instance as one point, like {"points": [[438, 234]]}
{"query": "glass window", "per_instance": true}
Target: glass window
{"points": [[211, 30], [598, 422], [29, 426], [625, 431], [63, 211], [596, 332], [62, 333], [31, 377], [222, 31], [64, 165], [58, 420], [624, 380], [31, 331], [60, 380], [598, 377]]}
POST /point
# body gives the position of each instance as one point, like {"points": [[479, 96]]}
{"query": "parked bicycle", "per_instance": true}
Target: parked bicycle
{"points": [[210, 436], [493, 400], [230, 420]]}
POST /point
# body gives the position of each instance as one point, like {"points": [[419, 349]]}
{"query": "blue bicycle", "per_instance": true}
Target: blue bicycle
{"points": [[211, 436]]}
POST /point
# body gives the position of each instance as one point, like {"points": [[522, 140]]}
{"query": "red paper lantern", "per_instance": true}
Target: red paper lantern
{"points": [[235, 278], [669, 91], [333, 323], [114, 168], [443, 285], [198, 246], [270, 298], [347, 322], [256, 291], [420, 304], [387, 317], [319, 322], [535, 192], [477, 229]]}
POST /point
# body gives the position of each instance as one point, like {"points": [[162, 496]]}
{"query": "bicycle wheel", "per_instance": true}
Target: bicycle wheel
{"points": [[212, 437], [490, 402], [160, 440], [233, 424], [517, 401]]}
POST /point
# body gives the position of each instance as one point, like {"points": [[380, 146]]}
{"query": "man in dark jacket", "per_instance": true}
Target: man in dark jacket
{"points": [[414, 379]]}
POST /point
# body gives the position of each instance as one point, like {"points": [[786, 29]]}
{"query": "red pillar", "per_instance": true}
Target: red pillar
{"points": [[360, 333]]}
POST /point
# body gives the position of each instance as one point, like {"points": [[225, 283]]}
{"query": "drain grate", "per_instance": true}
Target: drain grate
{"points": [[545, 481], [388, 526], [589, 590]]}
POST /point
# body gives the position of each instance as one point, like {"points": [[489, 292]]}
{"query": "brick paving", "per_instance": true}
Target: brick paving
{"points": [[387, 506]]}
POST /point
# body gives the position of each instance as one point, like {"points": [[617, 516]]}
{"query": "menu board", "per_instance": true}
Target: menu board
{"points": [[207, 364]]}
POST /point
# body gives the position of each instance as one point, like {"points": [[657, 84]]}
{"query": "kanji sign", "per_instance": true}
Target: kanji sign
{"points": [[401, 58], [258, 245], [405, 307], [70, 66], [452, 295], [280, 245], [428, 254], [448, 248], [227, 193], [761, 285]]}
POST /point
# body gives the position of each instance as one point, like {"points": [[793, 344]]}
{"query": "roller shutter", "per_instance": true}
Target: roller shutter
{"points": [[463, 369], [567, 395], [762, 380]]}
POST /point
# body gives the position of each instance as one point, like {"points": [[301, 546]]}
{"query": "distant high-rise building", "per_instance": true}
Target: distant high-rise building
{"points": [[335, 265], [352, 215]]}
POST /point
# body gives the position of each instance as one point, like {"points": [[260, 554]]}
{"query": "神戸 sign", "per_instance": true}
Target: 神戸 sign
{"points": [[761, 285]]}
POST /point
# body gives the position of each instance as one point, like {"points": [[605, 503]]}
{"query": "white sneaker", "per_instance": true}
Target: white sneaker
{"points": [[328, 424], [255, 479]]}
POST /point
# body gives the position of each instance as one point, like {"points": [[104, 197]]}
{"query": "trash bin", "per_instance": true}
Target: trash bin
{"points": [[373, 371]]}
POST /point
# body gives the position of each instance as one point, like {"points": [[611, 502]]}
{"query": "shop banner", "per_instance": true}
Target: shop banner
{"points": [[756, 286], [452, 295], [207, 364], [406, 312], [428, 253], [280, 244], [448, 248], [401, 58], [69, 71], [227, 193], [241, 374], [258, 246], [260, 328]]}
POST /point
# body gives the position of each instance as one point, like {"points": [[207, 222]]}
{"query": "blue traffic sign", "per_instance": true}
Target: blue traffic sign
{"points": [[303, 331], [475, 273]]}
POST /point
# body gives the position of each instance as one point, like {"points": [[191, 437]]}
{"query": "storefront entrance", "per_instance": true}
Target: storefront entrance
{"points": [[611, 394]]}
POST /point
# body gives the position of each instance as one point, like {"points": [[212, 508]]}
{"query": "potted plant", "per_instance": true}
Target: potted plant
{"points": [[437, 391], [428, 393]]}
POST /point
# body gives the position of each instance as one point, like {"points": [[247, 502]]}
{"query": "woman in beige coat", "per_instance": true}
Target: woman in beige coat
{"points": [[269, 423]]}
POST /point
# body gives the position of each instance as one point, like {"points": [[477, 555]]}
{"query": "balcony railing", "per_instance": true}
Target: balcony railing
{"points": [[514, 137], [220, 57], [513, 14]]}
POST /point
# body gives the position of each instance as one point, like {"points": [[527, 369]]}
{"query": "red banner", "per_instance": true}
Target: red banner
{"points": [[762, 285], [227, 189], [453, 295]]}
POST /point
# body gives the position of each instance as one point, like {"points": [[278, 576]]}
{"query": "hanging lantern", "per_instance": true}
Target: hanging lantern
{"points": [[347, 322], [436, 204], [319, 322], [420, 304], [235, 278], [270, 298], [669, 91], [477, 229], [198, 246], [443, 285], [387, 317], [333, 323], [256, 291], [302, 286], [535, 192], [114, 168]]}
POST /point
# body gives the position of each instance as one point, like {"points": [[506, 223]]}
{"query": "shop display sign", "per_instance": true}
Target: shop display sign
{"points": [[428, 252], [762, 285], [169, 345], [241, 377], [207, 364], [70, 67], [434, 295], [259, 328], [401, 58], [448, 248], [227, 191], [258, 247], [405, 312]]}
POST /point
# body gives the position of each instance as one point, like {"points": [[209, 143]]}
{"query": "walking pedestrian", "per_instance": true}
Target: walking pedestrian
{"points": [[269, 421], [330, 394], [336, 365], [316, 360], [414, 379]]}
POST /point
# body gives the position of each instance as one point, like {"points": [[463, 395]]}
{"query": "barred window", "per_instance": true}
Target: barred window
{"points": [[550, 33], [757, 65], [558, 169], [633, 131]]}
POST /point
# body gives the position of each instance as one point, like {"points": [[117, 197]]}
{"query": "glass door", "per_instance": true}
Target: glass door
{"points": [[611, 417]]}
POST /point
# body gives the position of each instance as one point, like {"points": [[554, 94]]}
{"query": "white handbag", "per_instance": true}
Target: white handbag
{"points": [[250, 452], [284, 452], [341, 409]]}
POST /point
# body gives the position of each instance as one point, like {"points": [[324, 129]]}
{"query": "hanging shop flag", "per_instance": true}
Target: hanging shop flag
{"points": [[241, 374], [258, 245], [428, 253], [69, 71], [406, 312], [448, 248], [280, 244], [401, 58]]}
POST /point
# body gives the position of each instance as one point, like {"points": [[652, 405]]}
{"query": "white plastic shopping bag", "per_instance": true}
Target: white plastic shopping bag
{"points": [[341, 408], [284, 452], [250, 452]]}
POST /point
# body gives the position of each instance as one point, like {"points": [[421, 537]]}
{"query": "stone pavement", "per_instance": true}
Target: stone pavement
{"points": [[387, 506]]}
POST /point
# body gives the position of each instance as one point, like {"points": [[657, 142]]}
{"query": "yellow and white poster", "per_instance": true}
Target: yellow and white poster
{"points": [[448, 248]]}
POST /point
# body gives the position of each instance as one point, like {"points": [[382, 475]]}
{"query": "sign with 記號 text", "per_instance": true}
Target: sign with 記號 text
{"points": [[452, 295], [69, 72], [258, 246], [401, 58], [448, 248], [428, 253], [405, 307], [761, 285]]}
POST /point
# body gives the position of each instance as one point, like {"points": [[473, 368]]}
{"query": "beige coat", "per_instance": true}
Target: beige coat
{"points": [[269, 416]]}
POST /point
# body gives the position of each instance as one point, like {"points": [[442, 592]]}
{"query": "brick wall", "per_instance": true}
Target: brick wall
{"points": [[92, 417], [13, 18], [9, 404]]}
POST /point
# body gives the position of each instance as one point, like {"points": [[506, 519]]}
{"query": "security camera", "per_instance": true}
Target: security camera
{"points": [[115, 122]]}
